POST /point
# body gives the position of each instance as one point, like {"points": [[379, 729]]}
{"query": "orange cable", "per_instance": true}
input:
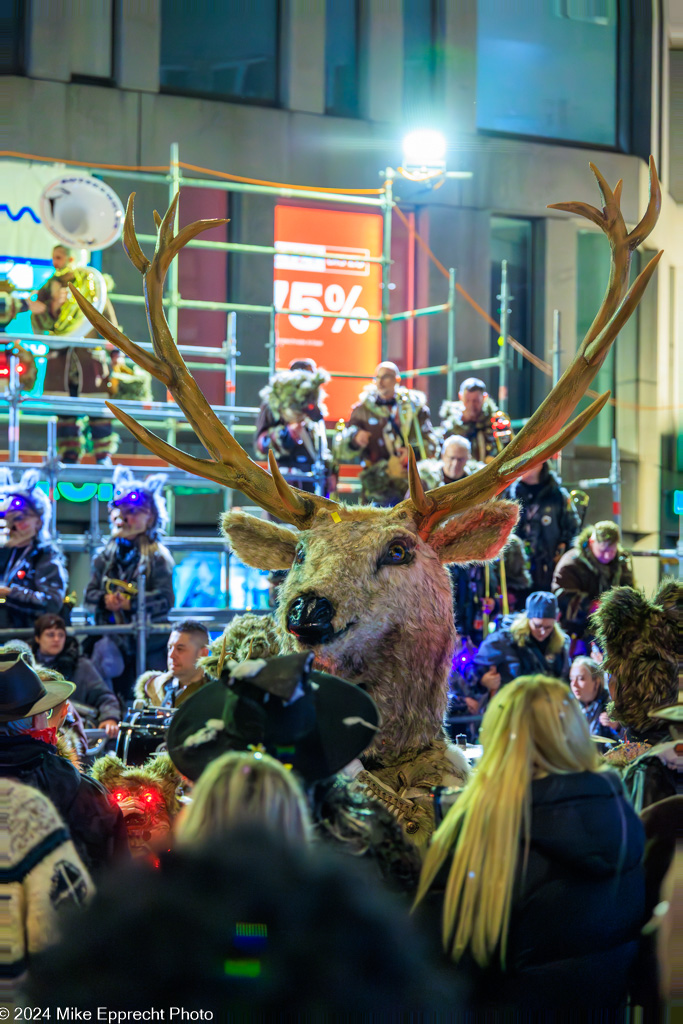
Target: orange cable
{"points": [[80, 163], [536, 361], [191, 167], [280, 184]]}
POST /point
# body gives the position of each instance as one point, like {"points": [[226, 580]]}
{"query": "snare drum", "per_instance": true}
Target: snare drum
{"points": [[142, 734]]}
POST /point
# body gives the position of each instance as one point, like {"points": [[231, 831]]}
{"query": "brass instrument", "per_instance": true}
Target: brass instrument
{"points": [[580, 502], [114, 586]]}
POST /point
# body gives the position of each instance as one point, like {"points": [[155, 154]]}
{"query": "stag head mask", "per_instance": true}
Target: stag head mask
{"points": [[367, 590]]}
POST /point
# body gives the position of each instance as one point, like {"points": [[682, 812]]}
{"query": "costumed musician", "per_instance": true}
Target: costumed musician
{"points": [[138, 519], [387, 420], [476, 417], [33, 576], [291, 422]]}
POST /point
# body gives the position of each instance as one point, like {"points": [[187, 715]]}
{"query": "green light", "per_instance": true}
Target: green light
{"points": [[678, 503], [77, 492], [105, 492], [242, 968]]}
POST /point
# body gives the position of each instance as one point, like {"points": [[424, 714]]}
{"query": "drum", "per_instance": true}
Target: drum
{"points": [[143, 733]]}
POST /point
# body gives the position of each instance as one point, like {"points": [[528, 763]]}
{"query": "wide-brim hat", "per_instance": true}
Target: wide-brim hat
{"points": [[314, 721], [22, 694]]}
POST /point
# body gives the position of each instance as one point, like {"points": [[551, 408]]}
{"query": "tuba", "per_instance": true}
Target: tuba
{"points": [[82, 212]]}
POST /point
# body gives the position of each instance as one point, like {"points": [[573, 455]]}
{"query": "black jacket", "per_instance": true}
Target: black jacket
{"points": [[547, 524], [120, 559], [578, 906], [91, 688], [37, 578], [97, 828]]}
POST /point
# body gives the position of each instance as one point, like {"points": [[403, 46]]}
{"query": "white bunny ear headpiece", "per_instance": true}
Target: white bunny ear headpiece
{"points": [[151, 491], [34, 496], [156, 482]]}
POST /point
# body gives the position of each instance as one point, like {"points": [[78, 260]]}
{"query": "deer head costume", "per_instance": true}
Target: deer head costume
{"points": [[367, 591]]}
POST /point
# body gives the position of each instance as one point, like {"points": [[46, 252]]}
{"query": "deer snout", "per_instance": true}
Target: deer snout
{"points": [[309, 618]]}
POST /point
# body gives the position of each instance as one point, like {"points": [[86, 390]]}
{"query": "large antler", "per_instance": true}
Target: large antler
{"points": [[541, 436], [229, 464]]}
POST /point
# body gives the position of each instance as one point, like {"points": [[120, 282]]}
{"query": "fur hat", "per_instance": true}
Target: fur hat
{"points": [[640, 639], [311, 720], [26, 495], [607, 532], [295, 389], [148, 494]]}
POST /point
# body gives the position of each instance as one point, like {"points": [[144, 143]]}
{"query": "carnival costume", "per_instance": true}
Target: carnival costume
{"points": [[118, 566], [488, 434], [397, 422], [295, 396], [34, 570]]}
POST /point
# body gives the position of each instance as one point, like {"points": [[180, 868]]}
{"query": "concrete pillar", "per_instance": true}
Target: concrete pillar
{"points": [[302, 53], [137, 45], [560, 286], [48, 40], [381, 60], [460, 68]]}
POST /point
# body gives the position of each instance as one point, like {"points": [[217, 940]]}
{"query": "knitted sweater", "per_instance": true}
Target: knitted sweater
{"points": [[40, 874]]}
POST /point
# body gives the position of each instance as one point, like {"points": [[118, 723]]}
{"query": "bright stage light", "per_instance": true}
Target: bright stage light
{"points": [[424, 152]]}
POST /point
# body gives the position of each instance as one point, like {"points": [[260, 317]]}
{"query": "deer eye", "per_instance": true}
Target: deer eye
{"points": [[396, 554], [300, 555]]}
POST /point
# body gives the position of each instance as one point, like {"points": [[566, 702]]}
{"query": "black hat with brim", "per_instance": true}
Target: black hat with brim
{"points": [[22, 694], [314, 721]]}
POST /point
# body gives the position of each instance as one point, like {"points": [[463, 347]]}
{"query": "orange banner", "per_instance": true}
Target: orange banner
{"points": [[332, 276]]}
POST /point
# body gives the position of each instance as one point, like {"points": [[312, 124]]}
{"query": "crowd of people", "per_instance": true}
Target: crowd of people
{"points": [[243, 864]]}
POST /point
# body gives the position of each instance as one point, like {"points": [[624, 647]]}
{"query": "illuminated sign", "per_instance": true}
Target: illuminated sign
{"points": [[331, 275], [78, 492]]}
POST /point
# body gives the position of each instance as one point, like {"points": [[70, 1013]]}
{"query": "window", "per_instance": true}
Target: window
{"points": [[676, 124], [227, 51], [423, 31], [341, 58], [549, 72], [12, 38], [511, 240]]}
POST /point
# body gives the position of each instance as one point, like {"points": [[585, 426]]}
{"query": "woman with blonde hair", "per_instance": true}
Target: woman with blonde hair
{"points": [[244, 788], [539, 860]]}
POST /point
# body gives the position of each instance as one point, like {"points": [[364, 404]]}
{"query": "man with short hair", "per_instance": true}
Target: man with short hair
{"points": [[385, 423], [188, 642], [476, 417], [594, 565]]}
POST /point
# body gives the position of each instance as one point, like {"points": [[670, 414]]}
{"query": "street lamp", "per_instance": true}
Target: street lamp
{"points": [[424, 154]]}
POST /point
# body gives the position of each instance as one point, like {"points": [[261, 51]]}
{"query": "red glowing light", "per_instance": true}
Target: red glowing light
{"points": [[150, 796], [119, 795], [20, 368], [4, 372], [21, 574]]}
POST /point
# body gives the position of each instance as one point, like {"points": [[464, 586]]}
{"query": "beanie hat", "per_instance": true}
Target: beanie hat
{"points": [[541, 605]]}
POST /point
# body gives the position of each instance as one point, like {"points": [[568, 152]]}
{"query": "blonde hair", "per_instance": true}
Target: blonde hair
{"points": [[521, 631], [597, 672], [533, 727], [244, 787]]}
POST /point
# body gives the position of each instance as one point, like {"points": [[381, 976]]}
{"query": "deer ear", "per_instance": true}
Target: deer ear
{"points": [[259, 543], [476, 535]]}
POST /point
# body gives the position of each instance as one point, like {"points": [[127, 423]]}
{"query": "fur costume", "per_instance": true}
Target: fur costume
{"points": [[150, 492], [295, 390], [640, 638], [480, 432], [390, 423], [148, 797], [34, 571], [246, 637], [42, 875], [129, 382]]}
